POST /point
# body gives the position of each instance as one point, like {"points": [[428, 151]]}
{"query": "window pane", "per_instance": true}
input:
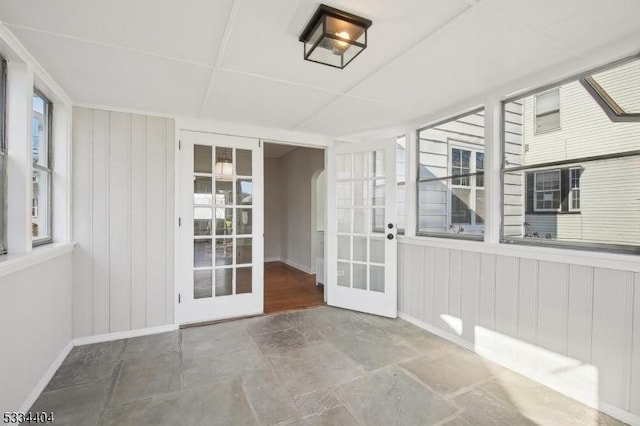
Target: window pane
{"points": [[40, 141], [40, 205], [448, 201], [401, 176], [201, 159], [591, 196]]}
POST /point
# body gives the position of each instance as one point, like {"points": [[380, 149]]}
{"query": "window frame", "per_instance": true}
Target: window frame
{"points": [[418, 180], [504, 169], [472, 175], [3, 153], [46, 169], [575, 190], [536, 190], [536, 115]]}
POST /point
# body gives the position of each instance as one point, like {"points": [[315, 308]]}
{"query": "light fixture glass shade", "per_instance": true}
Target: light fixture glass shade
{"points": [[333, 37]]}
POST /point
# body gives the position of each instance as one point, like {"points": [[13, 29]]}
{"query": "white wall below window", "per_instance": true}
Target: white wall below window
{"points": [[573, 327], [36, 314]]}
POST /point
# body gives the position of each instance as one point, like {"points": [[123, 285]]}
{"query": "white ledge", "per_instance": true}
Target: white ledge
{"points": [[624, 262], [12, 263]]}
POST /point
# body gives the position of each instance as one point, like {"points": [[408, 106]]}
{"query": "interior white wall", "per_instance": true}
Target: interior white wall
{"points": [[273, 206], [123, 210], [36, 317], [298, 167]]}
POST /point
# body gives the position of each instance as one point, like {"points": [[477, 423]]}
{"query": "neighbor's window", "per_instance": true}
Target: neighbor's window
{"points": [[3, 154], [548, 111], [578, 186], [401, 179], [42, 169], [451, 177]]}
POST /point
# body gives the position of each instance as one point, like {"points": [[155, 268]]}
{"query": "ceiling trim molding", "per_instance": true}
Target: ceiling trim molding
{"points": [[25, 56], [228, 27], [111, 46]]}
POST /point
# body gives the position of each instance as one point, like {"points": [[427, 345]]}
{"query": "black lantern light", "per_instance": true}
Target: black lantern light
{"points": [[333, 37]]}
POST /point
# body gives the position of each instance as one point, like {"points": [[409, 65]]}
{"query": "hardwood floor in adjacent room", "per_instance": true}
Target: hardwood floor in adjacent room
{"points": [[287, 288]]}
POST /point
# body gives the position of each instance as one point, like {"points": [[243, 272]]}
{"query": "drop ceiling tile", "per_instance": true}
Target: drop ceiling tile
{"points": [[474, 54], [114, 77], [257, 101], [188, 29], [264, 39], [599, 25], [348, 115]]}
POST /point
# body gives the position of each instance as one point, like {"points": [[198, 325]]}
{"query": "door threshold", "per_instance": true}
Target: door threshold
{"points": [[220, 321]]}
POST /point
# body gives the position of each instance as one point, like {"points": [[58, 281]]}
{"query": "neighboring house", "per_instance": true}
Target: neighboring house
{"points": [[451, 193], [585, 201]]}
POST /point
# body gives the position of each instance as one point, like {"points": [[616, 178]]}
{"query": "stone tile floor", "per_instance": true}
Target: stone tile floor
{"points": [[321, 366]]}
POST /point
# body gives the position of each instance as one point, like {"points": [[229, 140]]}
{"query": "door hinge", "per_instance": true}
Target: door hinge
{"points": [[179, 221], [179, 298], [179, 144], [259, 143]]}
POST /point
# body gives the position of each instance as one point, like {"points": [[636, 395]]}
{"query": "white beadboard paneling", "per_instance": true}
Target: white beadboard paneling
{"points": [[403, 278], [119, 222], [506, 295], [82, 225], [486, 302], [635, 368], [609, 340], [552, 307], [428, 275], [580, 312], [470, 282], [455, 282], [527, 308], [123, 222], [155, 222], [138, 239], [416, 259], [100, 224], [441, 289]]}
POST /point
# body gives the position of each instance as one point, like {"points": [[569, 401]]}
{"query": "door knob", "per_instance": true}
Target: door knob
{"points": [[389, 236]]}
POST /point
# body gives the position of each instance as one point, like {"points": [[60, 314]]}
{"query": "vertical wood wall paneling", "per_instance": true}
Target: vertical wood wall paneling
{"points": [[552, 312], [100, 223], [82, 225], [486, 296], [506, 308], [609, 328], [470, 290], [119, 222], [170, 218], [580, 312], [428, 273], [155, 222], [627, 361], [403, 282], [527, 310], [441, 289], [416, 260], [455, 282], [634, 394], [138, 240]]}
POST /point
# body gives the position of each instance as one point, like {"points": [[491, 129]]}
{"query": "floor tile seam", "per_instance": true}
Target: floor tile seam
{"points": [[107, 403], [181, 360], [270, 332], [465, 389], [448, 419], [246, 397], [360, 422], [426, 386], [189, 358], [491, 399]]}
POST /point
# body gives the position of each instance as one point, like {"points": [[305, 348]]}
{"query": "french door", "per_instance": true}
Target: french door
{"points": [[221, 227], [361, 227]]}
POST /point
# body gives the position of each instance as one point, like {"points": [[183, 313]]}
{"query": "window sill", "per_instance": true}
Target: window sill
{"points": [[12, 263], [626, 262], [552, 213]]}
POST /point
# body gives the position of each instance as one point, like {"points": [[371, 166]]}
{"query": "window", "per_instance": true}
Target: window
{"points": [[548, 111], [574, 188], [42, 169], [3, 154], [401, 177], [578, 186], [547, 191], [450, 177]]}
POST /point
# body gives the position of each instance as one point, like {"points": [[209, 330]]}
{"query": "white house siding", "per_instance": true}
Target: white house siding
{"points": [[513, 181], [435, 148], [570, 326], [610, 194], [123, 180]]}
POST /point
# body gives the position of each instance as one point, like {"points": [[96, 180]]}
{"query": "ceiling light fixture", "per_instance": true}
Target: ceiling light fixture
{"points": [[333, 37]]}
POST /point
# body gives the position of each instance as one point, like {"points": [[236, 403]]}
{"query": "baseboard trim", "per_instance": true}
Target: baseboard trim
{"points": [[46, 378], [272, 259], [80, 341], [609, 409], [299, 267]]}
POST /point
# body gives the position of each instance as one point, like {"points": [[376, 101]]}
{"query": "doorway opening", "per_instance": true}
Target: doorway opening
{"points": [[294, 193]]}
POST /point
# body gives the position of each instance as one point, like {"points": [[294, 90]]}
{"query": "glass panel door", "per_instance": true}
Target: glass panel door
{"points": [[221, 268], [362, 224]]}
